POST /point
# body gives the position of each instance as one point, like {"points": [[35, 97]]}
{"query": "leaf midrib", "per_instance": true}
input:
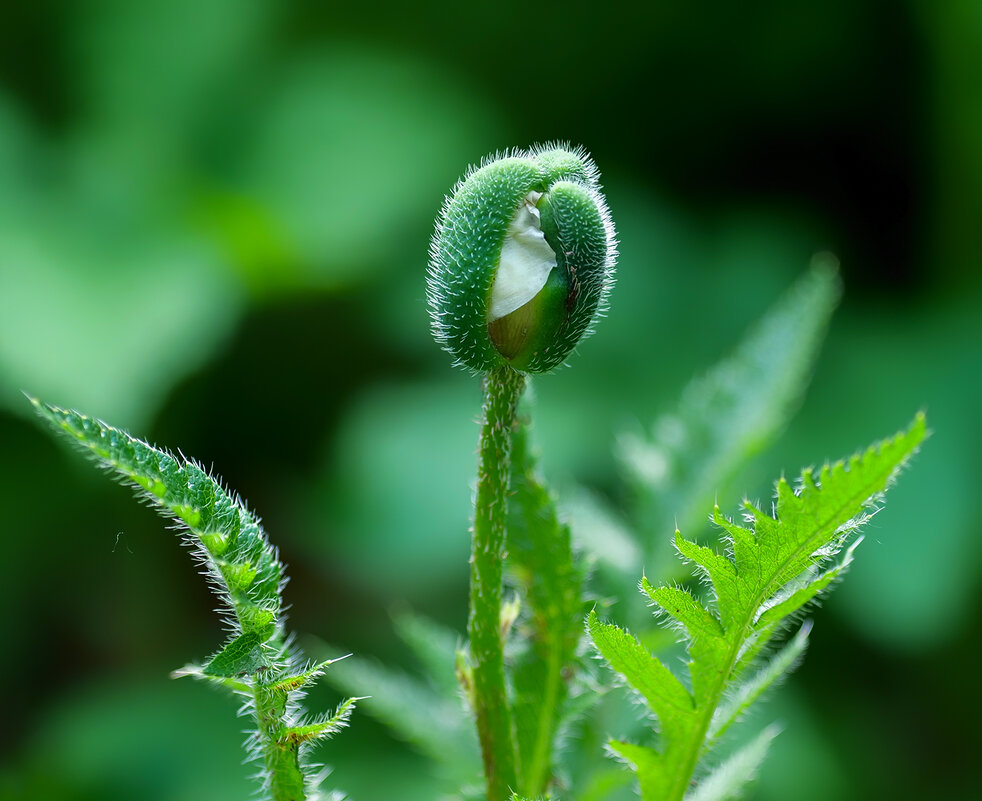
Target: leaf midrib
{"points": [[680, 781]]}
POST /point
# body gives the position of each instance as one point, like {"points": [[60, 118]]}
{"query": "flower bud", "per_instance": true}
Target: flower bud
{"points": [[522, 260]]}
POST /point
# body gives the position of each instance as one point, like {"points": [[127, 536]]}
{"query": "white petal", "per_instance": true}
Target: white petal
{"points": [[526, 261]]}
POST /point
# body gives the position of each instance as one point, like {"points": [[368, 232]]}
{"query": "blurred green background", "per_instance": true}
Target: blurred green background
{"points": [[214, 219]]}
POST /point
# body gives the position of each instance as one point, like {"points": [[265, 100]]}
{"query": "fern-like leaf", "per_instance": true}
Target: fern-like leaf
{"points": [[772, 568], [257, 662]]}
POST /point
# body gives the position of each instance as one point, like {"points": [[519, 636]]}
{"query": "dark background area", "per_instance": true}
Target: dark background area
{"points": [[214, 219]]}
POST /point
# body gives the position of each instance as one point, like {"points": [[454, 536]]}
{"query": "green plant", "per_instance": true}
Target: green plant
{"points": [[771, 570], [521, 264], [482, 226], [521, 267], [259, 663]]}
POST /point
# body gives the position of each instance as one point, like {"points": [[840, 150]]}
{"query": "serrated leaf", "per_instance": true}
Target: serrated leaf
{"points": [[646, 763], [751, 690], [304, 733], [705, 636], [542, 565], [730, 590], [239, 561], [776, 568], [302, 679], [733, 411], [258, 662], [679, 604], [665, 694], [796, 595], [241, 655]]}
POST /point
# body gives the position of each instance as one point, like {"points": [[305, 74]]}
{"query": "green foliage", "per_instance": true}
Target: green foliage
{"points": [[774, 566], [770, 571], [179, 178], [257, 663], [730, 777], [724, 418], [542, 654], [735, 409], [426, 710], [550, 582]]}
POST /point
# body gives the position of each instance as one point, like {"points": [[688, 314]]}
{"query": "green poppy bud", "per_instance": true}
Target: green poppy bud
{"points": [[522, 260]]}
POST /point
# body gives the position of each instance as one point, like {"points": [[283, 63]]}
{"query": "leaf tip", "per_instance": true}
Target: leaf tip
{"points": [[919, 425]]}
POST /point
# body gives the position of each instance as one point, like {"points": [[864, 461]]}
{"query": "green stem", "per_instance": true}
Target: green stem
{"points": [[503, 387], [280, 757]]}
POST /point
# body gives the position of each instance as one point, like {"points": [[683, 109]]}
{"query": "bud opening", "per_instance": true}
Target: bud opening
{"points": [[525, 264], [521, 261]]}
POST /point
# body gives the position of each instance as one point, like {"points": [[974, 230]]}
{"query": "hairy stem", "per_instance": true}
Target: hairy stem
{"points": [[282, 759], [502, 389]]}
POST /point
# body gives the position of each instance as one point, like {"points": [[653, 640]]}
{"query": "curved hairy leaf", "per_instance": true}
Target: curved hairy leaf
{"points": [[256, 663]]}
